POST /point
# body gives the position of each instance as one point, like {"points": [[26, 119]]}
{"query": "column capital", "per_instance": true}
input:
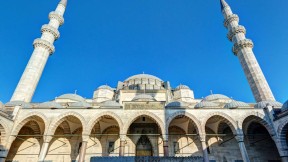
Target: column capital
{"points": [[240, 137], [123, 137], [202, 137]]}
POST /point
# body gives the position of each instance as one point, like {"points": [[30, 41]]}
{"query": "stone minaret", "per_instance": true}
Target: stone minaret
{"points": [[43, 48], [243, 50]]}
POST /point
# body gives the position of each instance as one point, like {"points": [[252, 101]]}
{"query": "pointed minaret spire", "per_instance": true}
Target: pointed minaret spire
{"points": [[243, 50], [43, 48]]}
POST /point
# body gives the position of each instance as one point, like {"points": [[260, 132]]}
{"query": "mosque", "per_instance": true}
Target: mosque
{"points": [[143, 115]]}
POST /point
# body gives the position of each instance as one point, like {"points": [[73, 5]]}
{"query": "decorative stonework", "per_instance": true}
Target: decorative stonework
{"points": [[230, 19], [235, 30], [50, 29], [246, 43], [55, 15], [45, 44]]}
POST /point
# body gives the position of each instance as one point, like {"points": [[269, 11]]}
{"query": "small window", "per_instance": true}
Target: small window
{"points": [[111, 147], [143, 119]]}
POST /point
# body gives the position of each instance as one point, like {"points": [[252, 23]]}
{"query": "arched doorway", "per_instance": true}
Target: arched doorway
{"points": [[28, 140], [67, 140], [144, 147], [104, 137], [144, 128], [259, 144], [221, 142], [184, 137]]}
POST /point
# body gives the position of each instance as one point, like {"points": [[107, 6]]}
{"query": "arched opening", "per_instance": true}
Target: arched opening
{"points": [[259, 144], [104, 138], [221, 142], [144, 130], [28, 141], [67, 140], [183, 137], [284, 137]]}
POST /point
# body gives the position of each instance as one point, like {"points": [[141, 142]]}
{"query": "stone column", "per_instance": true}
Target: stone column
{"points": [[43, 152], [244, 154], [282, 151], [3, 155], [204, 147], [82, 151], [166, 148], [122, 145]]}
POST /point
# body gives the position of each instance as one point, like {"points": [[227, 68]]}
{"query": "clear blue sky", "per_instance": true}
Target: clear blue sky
{"points": [[181, 41]]}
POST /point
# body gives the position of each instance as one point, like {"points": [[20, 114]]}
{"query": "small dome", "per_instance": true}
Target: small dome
{"points": [[262, 104], [74, 97], [177, 104], [110, 104], [285, 106], [143, 97], [80, 104], [19, 103], [182, 87], [50, 105], [143, 76], [105, 87], [236, 104], [206, 104], [216, 97]]}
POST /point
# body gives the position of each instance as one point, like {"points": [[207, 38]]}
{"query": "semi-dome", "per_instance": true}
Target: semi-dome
{"points": [[50, 105], [213, 97], [182, 87], [19, 103], [81, 104], [177, 104], [74, 97], [110, 103], [143, 76], [206, 104], [143, 97], [263, 104], [236, 104], [105, 87], [285, 106]]}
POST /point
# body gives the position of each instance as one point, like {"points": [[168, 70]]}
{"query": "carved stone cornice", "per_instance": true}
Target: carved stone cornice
{"points": [[50, 29], [45, 44], [230, 19], [55, 15], [235, 30], [242, 44]]}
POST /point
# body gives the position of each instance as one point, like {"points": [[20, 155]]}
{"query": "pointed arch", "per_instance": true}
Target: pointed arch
{"points": [[151, 115], [224, 118], [194, 120], [61, 118], [4, 131], [282, 132], [29, 117], [98, 117], [256, 117]]}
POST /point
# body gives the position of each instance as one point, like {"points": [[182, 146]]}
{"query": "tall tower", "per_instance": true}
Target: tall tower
{"points": [[243, 50], [43, 48]]}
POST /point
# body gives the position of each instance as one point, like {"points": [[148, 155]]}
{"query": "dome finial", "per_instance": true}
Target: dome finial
{"points": [[63, 2]]}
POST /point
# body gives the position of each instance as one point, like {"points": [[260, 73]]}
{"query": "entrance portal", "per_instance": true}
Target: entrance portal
{"points": [[144, 147]]}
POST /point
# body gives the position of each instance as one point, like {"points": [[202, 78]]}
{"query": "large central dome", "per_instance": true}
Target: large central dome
{"points": [[143, 81], [143, 76]]}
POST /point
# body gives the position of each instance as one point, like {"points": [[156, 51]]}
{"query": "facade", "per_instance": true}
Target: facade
{"points": [[143, 115]]}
